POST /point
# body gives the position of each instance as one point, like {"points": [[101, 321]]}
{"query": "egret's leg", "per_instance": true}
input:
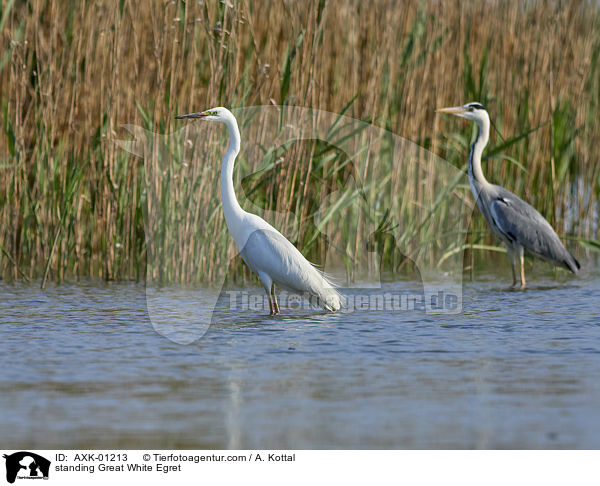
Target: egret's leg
{"points": [[274, 296], [271, 310], [522, 259], [267, 283]]}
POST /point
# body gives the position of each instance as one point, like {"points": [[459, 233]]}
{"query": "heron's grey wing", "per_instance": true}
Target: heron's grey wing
{"points": [[522, 224]]}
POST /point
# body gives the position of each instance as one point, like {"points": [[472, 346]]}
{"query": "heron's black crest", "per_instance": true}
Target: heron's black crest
{"points": [[475, 106]]}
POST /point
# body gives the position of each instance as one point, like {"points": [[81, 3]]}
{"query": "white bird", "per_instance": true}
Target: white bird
{"points": [[519, 225], [264, 249]]}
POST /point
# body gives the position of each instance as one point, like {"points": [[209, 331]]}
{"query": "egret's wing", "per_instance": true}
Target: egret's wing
{"points": [[271, 253], [522, 224]]}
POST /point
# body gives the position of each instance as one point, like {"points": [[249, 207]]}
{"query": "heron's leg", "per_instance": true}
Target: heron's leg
{"points": [[514, 273], [274, 296], [511, 255], [522, 259]]}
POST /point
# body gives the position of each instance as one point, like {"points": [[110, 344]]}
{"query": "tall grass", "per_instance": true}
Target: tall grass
{"points": [[73, 203]]}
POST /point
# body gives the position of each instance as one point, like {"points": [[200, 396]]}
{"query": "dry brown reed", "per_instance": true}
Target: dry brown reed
{"points": [[73, 72]]}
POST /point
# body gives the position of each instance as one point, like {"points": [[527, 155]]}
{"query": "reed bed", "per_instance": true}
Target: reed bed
{"points": [[72, 73]]}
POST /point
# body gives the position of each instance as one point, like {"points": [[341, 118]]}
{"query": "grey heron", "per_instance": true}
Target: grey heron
{"points": [[264, 249], [518, 225]]}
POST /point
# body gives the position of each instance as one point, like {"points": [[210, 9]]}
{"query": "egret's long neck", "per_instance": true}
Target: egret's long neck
{"points": [[483, 134], [231, 207]]}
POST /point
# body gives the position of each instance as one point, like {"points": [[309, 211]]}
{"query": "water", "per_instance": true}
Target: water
{"points": [[82, 367]]}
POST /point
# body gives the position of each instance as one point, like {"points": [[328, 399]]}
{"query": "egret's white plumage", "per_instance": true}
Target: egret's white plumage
{"points": [[264, 249], [519, 225]]}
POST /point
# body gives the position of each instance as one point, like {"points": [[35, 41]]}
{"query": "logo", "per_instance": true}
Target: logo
{"points": [[26, 465]]}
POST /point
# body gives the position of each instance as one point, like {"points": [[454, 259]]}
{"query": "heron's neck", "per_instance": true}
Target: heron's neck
{"points": [[483, 134], [231, 207]]}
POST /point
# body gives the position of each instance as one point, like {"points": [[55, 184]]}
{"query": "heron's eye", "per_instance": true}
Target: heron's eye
{"points": [[471, 108]]}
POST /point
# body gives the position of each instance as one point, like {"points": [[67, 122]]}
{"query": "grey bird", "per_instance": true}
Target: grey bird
{"points": [[518, 224]]}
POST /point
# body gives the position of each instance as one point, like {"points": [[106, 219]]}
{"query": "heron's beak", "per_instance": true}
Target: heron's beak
{"points": [[200, 114], [452, 110]]}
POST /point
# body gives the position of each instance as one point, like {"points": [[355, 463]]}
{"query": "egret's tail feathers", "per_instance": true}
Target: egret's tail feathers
{"points": [[326, 295]]}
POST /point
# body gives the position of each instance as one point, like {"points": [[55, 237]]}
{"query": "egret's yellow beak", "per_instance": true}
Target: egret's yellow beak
{"points": [[200, 114], [452, 110]]}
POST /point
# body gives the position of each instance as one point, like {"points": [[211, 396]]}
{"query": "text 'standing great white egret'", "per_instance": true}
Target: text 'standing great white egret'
{"points": [[264, 249], [511, 219]]}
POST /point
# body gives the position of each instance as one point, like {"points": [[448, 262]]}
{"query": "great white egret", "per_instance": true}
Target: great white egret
{"points": [[519, 225], [264, 249]]}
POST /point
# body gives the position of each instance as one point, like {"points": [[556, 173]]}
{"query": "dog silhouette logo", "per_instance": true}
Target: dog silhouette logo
{"points": [[26, 464]]}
